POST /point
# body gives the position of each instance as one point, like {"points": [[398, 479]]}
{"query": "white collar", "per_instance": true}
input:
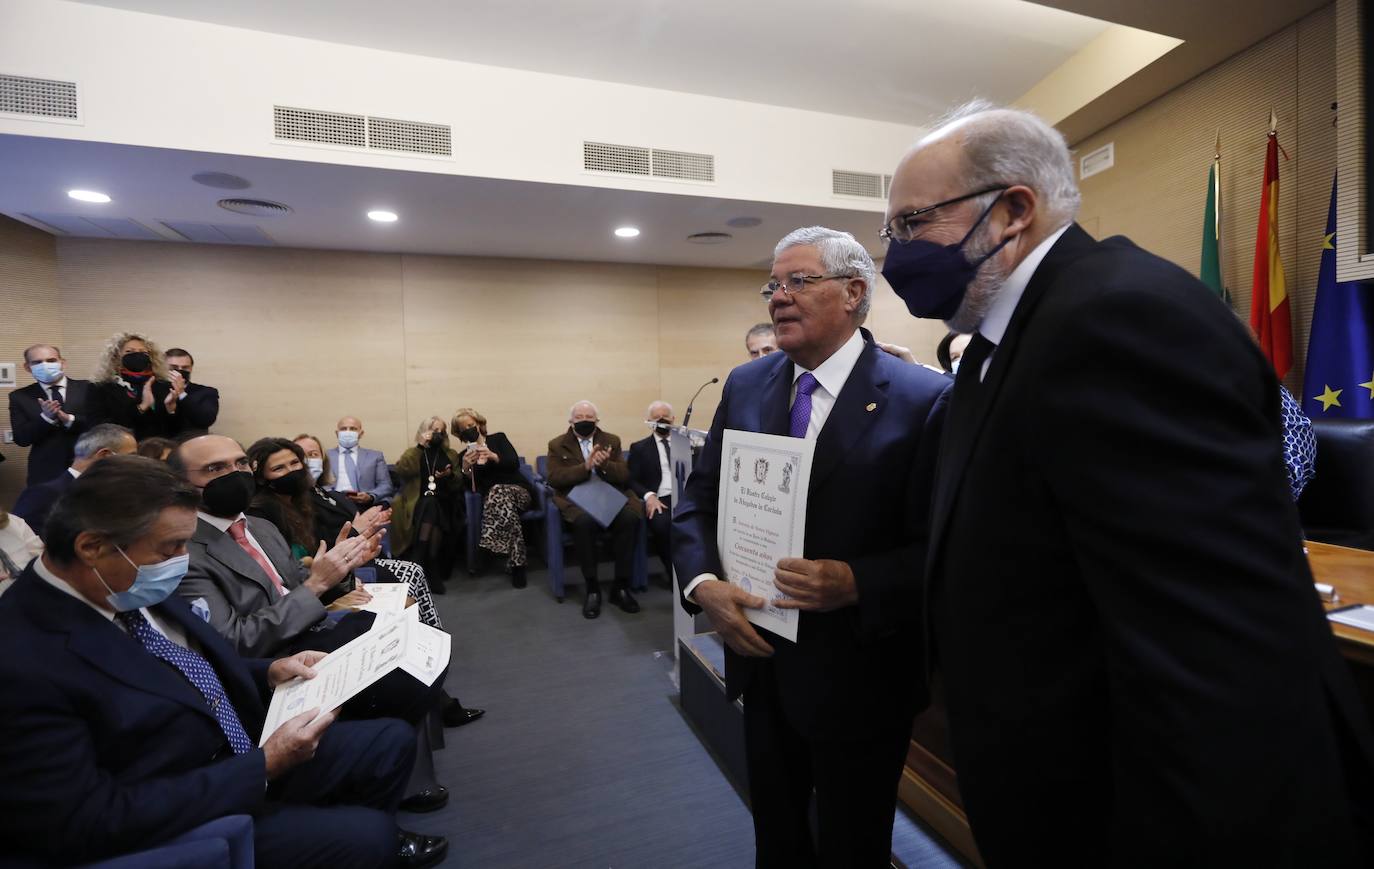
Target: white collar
{"points": [[998, 317], [219, 521], [60, 384], [76, 475], [833, 372], [62, 585]]}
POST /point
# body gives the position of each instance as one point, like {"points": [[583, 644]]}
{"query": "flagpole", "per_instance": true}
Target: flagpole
{"points": [[1216, 196]]}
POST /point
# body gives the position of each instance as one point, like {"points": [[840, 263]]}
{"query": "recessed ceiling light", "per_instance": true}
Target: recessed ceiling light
{"points": [[626, 232], [383, 216], [88, 196]]}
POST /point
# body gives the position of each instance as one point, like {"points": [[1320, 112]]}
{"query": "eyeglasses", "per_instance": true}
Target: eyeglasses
{"points": [[904, 227], [239, 464], [794, 284]]}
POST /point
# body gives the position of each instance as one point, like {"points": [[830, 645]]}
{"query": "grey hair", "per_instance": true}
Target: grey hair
{"points": [[1012, 146], [841, 254], [106, 436], [653, 404], [425, 426], [586, 402]]}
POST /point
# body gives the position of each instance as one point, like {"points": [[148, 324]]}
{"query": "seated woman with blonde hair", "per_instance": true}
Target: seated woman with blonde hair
{"points": [[492, 469]]}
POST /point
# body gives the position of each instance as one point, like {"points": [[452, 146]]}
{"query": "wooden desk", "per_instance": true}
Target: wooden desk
{"points": [[929, 786]]}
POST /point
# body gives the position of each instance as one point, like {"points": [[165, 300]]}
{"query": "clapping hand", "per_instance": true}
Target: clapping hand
{"points": [[146, 404], [367, 522], [54, 409], [598, 457], [178, 387], [331, 565]]}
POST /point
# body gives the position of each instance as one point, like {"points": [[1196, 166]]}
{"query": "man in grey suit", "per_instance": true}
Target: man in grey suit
{"points": [[359, 473]]}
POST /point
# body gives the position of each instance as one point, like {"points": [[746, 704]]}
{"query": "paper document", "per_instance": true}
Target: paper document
{"points": [[396, 639], [387, 597], [1356, 617], [599, 499], [764, 480]]}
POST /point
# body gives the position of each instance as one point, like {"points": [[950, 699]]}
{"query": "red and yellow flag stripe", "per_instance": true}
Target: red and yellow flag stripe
{"points": [[1269, 308]]}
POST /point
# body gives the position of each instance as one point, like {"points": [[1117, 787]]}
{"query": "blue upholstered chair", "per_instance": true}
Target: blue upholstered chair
{"points": [[533, 516], [224, 843], [557, 539]]}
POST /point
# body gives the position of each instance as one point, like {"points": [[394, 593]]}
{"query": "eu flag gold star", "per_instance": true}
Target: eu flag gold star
{"points": [[1326, 241], [1329, 397], [1369, 384]]}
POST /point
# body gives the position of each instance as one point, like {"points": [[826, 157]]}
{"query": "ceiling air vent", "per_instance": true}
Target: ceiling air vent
{"points": [[413, 137], [622, 159], [325, 128], [709, 237], [684, 165], [255, 207], [887, 186], [867, 184], [38, 97]]}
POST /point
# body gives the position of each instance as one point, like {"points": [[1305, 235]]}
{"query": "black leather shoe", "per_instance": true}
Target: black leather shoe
{"points": [[455, 715], [621, 598], [427, 800], [591, 607], [517, 576], [416, 850]]}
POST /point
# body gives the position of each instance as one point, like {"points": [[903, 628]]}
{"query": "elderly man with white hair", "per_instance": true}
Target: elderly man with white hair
{"points": [[651, 477], [582, 453], [832, 712], [1137, 668]]}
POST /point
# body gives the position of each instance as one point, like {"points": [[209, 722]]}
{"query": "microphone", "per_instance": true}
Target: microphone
{"points": [[687, 417]]}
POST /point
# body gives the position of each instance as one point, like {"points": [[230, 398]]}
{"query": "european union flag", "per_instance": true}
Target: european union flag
{"points": [[1340, 352]]}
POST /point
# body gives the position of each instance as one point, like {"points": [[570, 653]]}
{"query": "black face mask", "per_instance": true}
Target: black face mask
{"points": [[228, 495], [185, 375], [438, 440], [662, 426], [584, 428], [468, 435], [291, 483], [139, 363]]}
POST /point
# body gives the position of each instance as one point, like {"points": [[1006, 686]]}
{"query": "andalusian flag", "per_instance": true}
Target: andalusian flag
{"points": [[1211, 230], [1269, 317], [1340, 355]]}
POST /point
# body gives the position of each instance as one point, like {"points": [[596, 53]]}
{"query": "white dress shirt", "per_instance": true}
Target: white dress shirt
{"points": [[170, 631], [223, 525], [665, 468], [47, 396], [998, 317], [831, 376], [342, 482]]}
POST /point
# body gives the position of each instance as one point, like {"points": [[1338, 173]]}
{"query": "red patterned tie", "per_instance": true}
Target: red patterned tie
{"points": [[239, 531]]}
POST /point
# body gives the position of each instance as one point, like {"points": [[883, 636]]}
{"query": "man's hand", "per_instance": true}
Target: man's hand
{"points": [[332, 565], [725, 604], [146, 404], [652, 505], [815, 585], [295, 741], [598, 457], [298, 665], [353, 600], [54, 409], [902, 353], [360, 498]]}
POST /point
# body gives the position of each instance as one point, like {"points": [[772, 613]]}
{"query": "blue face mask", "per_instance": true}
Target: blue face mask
{"points": [[153, 583], [932, 278], [348, 439], [46, 372]]}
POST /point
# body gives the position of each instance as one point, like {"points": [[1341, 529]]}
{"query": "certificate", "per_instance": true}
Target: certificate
{"points": [[764, 480], [387, 597], [394, 640]]}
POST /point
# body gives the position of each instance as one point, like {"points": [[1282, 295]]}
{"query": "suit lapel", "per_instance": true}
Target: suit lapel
{"points": [[76, 396], [850, 418], [776, 400], [223, 549], [956, 448]]}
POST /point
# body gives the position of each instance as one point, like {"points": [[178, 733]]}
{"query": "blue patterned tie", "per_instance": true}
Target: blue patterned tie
{"points": [[801, 405], [197, 671]]}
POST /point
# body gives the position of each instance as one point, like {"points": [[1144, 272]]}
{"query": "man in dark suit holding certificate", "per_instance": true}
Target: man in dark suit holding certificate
{"points": [[831, 712]]}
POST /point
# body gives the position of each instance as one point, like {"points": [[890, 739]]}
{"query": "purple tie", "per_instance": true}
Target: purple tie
{"points": [[801, 406]]}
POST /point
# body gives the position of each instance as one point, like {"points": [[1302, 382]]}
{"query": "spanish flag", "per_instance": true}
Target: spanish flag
{"points": [[1269, 316]]}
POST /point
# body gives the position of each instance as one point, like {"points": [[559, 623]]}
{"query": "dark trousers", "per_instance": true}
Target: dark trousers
{"points": [[855, 783], [337, 810], [660, 531], [622, 531]]}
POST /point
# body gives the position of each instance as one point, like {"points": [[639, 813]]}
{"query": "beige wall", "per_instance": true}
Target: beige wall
{"points": [[1156, 192], [296, 338]]}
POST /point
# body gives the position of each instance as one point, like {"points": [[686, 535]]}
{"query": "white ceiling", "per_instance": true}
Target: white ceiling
{"points": [[893, 60], [440, 214]]}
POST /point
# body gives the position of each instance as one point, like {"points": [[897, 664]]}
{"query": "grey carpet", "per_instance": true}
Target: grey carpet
{"points": [[583, 758]]}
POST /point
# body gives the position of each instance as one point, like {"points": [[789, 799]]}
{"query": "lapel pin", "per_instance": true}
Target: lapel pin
{"points": [[872, 406]]}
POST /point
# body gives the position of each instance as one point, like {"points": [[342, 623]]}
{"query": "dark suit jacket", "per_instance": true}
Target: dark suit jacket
{"points": [[567, 468], [200, 408], [35, 502], [103, 747], [857, 669], [50, 446], [1122, 611], [111, 403], [244, 605], [505, 470], [645, 471]]}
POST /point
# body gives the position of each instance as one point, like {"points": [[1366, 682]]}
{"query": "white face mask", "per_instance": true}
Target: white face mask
{"points": [[348, 439], [954, 366], [315, 467]]}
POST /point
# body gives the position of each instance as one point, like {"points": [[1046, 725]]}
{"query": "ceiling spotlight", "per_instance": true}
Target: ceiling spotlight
{"points": [[383, 216], [88, 196], [626, 232]]}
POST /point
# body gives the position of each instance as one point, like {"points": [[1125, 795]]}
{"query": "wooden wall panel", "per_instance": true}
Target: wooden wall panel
{"points": [[32, 312], [1156, 191]]}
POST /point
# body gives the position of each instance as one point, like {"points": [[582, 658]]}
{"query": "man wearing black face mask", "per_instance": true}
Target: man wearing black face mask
{"points": [[1119, 602], [651, 478], [196, 403]]}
